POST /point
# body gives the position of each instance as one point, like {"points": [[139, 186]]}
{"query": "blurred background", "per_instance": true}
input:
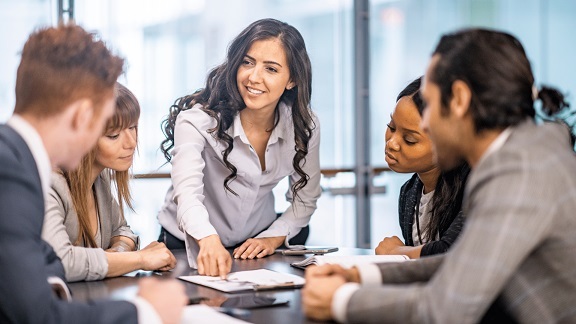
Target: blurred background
{"points": [[170, 45]]}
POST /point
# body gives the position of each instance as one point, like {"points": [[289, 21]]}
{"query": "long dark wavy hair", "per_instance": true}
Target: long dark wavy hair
{"points": [[449, 191], [221, 99]]}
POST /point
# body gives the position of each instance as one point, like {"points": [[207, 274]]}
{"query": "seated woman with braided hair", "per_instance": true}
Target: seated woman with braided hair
{"points": [[430, 203]]}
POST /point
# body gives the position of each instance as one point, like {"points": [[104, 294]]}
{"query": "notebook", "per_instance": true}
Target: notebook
{"points": [[251, 280], [348, 261]]}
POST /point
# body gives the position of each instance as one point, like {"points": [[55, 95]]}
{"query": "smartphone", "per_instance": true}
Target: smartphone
{"points": [[310, 250]]}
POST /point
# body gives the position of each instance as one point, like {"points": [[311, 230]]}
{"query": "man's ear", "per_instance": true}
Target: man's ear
{"points": [[83, 111], [461, 97]]}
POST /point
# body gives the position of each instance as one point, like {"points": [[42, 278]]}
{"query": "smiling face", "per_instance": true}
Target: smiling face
{"points": [[263, 75], [115, 150], [408, 149]]}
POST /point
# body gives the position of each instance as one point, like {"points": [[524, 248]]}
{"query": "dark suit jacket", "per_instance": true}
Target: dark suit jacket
{"points": [[26, 261], [410, 196]]}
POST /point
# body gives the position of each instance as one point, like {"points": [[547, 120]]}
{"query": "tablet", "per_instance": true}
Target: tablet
{"points": [[254, 301], [310, 250], [244, 302]]}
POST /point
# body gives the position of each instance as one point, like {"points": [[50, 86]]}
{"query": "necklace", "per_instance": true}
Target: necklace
{"points": [[417, 216]]}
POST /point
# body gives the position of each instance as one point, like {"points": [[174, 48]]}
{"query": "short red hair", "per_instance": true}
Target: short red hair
{"points": [[62, 64]]}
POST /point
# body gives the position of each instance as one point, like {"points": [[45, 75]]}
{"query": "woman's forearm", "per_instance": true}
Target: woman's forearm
{"points": [[120, 263], [155, 256]]}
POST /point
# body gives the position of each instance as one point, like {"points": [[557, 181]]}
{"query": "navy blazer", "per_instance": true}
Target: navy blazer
{"points": [[410, 196], [26, 260]]}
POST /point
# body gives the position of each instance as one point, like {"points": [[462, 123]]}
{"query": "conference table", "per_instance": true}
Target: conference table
{"points": [[126, 287]]}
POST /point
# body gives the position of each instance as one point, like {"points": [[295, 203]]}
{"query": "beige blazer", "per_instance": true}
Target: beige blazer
{"points": [[61, 229]]}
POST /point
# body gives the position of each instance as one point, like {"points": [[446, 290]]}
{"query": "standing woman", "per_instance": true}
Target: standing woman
{"points": [[430, 203], [84, 223], [230, 144]]}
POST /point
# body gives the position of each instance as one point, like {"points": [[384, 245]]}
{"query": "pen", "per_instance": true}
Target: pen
{"points": [[147, 274], [196, 300], [289, 284]]}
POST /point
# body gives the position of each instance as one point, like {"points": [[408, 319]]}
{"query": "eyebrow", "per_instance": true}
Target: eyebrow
{"points": [[412, 131], [407, 129], [266, 62]]}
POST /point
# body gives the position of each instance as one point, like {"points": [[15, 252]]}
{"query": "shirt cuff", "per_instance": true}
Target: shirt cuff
{"points": [[278, 228], [126, 232], [191, 223], [369, 274], [340, 300], [97, 265], [146, 312]]}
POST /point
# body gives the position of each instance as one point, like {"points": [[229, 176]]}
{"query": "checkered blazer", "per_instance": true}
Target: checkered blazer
{"points": [[518, 245]]}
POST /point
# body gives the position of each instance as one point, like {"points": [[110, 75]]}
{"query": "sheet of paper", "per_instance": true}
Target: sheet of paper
{"points": [[348, 261], [248, 280], [206, 314]]}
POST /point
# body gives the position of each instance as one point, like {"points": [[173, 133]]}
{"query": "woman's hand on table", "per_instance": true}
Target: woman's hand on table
{"points": [[258, 247], [156, 256]]}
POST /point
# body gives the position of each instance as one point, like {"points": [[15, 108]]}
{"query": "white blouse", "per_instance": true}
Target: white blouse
{"points": [[424, 209], [198, 204]]}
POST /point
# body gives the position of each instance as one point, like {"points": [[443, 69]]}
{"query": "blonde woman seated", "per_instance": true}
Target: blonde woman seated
{"points": [[84, 223]]}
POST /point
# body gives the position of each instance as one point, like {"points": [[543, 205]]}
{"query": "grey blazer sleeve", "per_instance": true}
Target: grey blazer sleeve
{"points": [[61, 230], [408, 272]]}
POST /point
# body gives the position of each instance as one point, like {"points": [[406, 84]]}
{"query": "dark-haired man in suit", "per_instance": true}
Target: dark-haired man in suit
{"points": [[515, 259]]}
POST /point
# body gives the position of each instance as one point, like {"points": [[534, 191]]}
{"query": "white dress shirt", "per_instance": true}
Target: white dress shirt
{"points": [[199, 205], [36, 146], [146, 313]]}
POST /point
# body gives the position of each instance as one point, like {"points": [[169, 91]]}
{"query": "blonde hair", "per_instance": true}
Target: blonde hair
{"points": [[126, 114]]}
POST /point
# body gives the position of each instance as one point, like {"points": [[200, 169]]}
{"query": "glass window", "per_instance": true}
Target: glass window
{"points": [[403, 35], [171, 45], [17, 20]]}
